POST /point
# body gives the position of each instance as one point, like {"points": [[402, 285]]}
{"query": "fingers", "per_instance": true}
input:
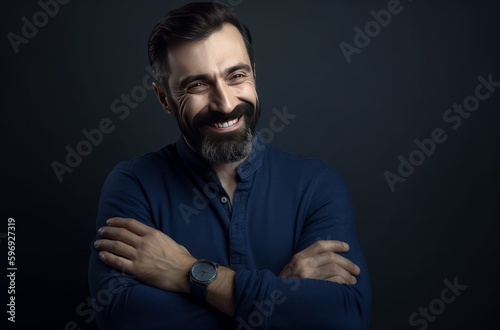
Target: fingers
{"points": [[324, 252], [338, 279], [322, 267], [322, 261], [132, 225], [335, 273], [116, 247], [329, 258], [117, 262], [119, 234], [325, 246]]}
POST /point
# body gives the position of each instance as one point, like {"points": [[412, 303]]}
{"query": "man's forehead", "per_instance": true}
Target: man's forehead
{"points": [[221, 50]]}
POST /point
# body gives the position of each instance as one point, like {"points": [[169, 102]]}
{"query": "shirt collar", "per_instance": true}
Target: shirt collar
{"points": [[199, 165]]}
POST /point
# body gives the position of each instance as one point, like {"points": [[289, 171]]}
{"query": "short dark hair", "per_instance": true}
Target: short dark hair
{"points": [[194, 21]]}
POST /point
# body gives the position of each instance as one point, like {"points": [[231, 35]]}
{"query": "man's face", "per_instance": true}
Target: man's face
{"points": [[213, 95]]}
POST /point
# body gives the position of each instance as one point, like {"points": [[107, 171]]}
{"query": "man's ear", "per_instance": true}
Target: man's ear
{"points": [[162, 98]]}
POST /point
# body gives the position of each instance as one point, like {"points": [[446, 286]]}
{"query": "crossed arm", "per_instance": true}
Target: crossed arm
{"points": [[157, 260], [320, 287]]}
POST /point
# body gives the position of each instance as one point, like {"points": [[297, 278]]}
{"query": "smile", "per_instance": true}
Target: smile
{"points": [[225, 124]]}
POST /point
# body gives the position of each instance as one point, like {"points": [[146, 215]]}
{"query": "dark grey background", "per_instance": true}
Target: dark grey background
{"points": [[441, 223]]}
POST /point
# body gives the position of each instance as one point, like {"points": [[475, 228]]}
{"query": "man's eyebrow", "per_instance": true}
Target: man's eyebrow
{"points": [[189, 79], [241, 66]]}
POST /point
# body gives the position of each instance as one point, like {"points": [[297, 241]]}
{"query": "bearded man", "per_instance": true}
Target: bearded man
{"points": [[221, 230]]}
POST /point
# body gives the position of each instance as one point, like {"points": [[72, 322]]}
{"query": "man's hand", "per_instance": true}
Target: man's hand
{"points": [[146, 253], [321, 261]]}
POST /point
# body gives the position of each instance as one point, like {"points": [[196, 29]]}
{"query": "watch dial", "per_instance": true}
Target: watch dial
{"points": [[203, 272]]}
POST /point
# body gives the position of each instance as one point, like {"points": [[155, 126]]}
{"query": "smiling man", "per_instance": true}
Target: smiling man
{"points": [[220, 230]]}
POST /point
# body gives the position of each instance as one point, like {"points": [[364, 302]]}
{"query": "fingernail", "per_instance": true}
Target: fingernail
{"points": [[96, 243], [354, 281], [100, 230], [346, 246], [357, 269]]}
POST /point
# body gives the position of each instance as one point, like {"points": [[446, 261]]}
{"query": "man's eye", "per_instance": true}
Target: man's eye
{"points": [[238, 76], [196, 87]]}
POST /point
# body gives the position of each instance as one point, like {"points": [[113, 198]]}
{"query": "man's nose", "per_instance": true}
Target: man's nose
{"points": [[223, 98]]}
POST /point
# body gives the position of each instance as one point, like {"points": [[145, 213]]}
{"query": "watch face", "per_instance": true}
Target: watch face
{"points": [[203, 272]]}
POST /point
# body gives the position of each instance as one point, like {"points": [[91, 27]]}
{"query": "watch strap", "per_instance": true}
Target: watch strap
{"points": [[198, 290]]}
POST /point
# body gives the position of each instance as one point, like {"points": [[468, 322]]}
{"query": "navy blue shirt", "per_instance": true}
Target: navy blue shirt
{"points": [[283, 204]]}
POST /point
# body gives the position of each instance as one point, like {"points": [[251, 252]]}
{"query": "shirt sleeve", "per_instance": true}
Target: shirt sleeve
{"points": [[122, 302], [264, 301]]}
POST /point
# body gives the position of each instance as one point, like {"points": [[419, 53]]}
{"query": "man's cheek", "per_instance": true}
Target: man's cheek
{"points": [[187, 111], [245, 90], [181, 106]]}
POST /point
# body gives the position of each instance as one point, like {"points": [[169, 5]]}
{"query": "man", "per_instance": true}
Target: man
{"points": [[220, 230]]}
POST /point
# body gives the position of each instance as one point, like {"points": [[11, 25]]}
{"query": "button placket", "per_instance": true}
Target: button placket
{"points": [[237, 228]]}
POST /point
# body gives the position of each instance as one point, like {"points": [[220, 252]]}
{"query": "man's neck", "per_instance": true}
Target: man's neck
{"points": [[227, 173]]}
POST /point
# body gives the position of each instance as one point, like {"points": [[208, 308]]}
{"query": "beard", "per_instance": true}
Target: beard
{"points": [[228, 151], [226, 147]]}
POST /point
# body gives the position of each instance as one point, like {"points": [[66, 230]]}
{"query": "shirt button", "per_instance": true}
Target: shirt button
{"points": [[223, 199]]}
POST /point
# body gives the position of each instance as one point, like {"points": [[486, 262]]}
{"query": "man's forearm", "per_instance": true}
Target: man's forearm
{"points": [[141, 251], [265, 301], [220, 291]]}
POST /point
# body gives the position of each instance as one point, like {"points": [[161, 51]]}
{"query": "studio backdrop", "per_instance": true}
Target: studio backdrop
{"points": [[401, 97]]}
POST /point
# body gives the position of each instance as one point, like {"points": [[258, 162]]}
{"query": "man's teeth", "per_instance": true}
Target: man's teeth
{"points": [[226, 124]]}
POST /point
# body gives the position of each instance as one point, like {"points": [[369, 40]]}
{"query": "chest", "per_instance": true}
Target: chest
{"points": [[257, 229]]}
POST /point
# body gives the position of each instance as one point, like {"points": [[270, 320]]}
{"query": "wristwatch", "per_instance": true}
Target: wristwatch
{"points": [[202, 273]]}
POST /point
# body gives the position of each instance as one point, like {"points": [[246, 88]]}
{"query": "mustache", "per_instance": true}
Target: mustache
{"points": [[210, 117]]}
